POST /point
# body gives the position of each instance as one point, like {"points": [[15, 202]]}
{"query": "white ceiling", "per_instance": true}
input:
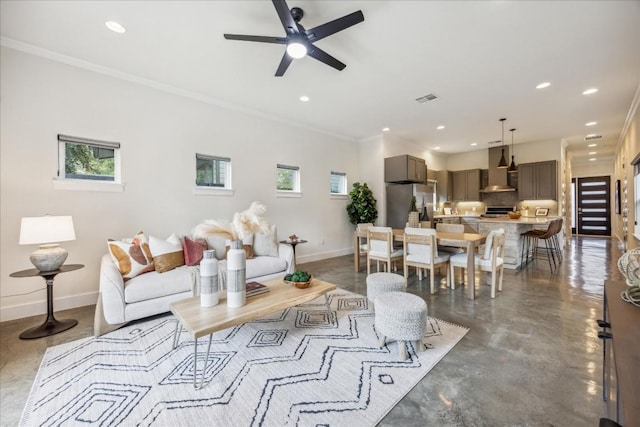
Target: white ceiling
{"points": [[482, 58]]}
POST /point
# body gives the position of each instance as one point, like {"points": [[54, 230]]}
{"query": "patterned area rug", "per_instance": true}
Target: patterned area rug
{"points": [[298, 367]]}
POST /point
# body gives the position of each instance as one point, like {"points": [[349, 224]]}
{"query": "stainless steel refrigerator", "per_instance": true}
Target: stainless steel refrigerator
{"points": [[399, 202]]}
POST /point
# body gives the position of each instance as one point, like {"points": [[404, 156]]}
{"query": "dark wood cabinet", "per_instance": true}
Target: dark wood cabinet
{"points": [[405, 169], [538, 180], [445, 185], [466, 185]]}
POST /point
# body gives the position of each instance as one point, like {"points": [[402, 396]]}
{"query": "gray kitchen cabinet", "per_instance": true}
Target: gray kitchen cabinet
{"points": [[445, 185], [537, 181], [466, 185], [405, 169]]}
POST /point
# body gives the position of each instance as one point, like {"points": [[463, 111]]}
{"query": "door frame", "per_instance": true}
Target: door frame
{"points": [[579, 206]]}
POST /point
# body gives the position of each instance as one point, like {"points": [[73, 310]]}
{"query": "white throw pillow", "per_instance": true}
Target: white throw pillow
{"points": [[167, 254], [266, 244]]}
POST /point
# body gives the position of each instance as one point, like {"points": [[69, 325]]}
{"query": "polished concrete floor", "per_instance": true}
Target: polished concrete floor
{"points": [[531, 357]]}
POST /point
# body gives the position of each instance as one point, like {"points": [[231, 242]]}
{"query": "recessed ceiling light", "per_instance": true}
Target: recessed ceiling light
{"points": [[591, 153], [593, 159], [473, 144], [436, 148], [304, 98], [591, 123], [385, 129], [590, 91], [440, 127], [116, 27], [543, 85], [592, 145]]}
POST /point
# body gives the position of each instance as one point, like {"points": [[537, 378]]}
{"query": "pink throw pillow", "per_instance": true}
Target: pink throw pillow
{"points": [[193, 250]]}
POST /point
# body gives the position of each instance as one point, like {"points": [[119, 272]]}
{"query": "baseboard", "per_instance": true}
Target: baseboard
{"points": [[40, 307], [319, 256]]}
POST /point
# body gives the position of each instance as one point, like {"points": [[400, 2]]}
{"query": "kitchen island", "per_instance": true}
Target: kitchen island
{"points": [[513, 234]]}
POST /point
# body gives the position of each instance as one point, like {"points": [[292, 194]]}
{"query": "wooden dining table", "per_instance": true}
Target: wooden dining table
{"points": [[461, 240]]}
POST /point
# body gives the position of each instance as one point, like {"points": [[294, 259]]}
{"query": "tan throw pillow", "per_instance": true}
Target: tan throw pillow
{"points": [[266, 244], [167, 254], [247, 245], [132, 258]]}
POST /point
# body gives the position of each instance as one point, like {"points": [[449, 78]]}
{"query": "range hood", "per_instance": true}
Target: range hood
{"points": [[497, 177]]}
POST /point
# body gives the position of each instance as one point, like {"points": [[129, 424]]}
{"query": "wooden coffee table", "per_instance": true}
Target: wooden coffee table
{"points": [[200, 321]]}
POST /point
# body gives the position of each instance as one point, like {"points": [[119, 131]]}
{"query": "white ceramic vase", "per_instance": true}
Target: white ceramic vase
{"points": [[236, 275], [209, 279]]}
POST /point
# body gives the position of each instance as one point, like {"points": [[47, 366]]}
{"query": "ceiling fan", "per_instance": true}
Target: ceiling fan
{"points": [[300, 41]]}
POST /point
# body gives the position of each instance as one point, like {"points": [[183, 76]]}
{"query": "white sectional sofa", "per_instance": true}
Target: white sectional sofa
{"points": [[151, 293]]}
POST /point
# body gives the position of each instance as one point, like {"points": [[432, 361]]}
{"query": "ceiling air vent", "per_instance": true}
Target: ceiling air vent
{"points": [[427, 98], [592, 136]]}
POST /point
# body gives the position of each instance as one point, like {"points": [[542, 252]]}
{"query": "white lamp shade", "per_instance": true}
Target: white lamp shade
{"points": [[46, 229]]}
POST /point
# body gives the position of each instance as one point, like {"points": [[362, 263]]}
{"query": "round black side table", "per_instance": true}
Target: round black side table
{"points": [[293, 244], [51, 325]]}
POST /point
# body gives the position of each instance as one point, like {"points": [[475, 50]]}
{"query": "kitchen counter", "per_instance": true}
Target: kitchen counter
{"points": [[530, 220], [513, 234], [455, 216]]}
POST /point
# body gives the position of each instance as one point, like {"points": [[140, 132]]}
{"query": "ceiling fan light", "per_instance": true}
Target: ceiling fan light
{"points": [[296, 50]]}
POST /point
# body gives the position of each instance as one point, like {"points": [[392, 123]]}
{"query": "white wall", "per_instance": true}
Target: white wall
{"points": [[596, 168], [160, 134], [478, 159]]}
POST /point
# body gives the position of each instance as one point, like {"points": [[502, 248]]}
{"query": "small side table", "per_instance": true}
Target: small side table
{"points": [[51, 325], [293, 246]]}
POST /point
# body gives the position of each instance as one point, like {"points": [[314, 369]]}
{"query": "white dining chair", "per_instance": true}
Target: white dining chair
{"points": [[490, 260], [362, 241], [421, 251], [380, 248]]}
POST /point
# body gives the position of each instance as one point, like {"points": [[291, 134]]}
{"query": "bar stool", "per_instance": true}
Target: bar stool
{"points": [[552, 244]]}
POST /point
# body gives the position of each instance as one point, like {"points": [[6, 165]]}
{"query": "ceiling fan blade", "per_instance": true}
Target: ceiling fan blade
{"points": [[332, 27], [323, 56], [262, 39], [289, 24], [284, 64]]}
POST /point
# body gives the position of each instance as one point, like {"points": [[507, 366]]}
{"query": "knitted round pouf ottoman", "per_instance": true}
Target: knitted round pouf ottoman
{"points": [[378, 283], [402, 317]]}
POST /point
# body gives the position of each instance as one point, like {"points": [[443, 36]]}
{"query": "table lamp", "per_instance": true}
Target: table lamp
{"points": [[47, 231]]}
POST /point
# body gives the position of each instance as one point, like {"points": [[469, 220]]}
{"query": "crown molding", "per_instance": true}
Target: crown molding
{"points": [[163, 87]]}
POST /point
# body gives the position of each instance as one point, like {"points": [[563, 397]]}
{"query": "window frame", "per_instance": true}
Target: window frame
{"points": [[78, 183], [63, 140], [343, 191], [227, 181], [296, 181]]}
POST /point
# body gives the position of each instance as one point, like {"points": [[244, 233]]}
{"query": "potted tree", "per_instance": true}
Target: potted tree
{"points": [[362, 208]]}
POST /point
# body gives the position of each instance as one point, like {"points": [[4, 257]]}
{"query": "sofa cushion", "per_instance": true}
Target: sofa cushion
{"points": [[193, 250], [265, 265], [154, 284], [167, 254], [266, 244], [131, 258]]}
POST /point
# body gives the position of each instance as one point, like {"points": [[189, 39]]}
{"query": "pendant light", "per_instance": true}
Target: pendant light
{"points": [[512, 167], [503, 161]]}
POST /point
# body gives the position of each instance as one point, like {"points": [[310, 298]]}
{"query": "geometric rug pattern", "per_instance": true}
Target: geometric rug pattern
{"points": [[298, 367]]}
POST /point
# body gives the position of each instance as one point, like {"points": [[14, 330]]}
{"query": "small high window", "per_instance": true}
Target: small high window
{"points": [[288, 178], [213, 171], [338, 183], [88, 159]]}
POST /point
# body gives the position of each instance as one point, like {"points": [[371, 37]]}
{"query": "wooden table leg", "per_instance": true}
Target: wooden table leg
{"points": [[356, 251], [471, 273]]}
